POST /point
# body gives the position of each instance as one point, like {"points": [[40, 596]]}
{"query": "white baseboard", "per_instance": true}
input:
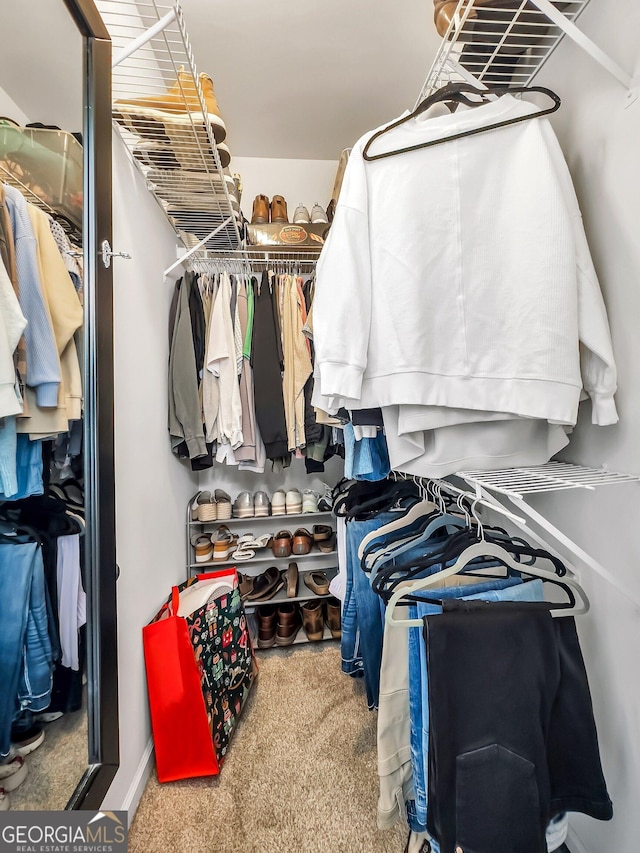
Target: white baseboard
{"points": [[139, 782], [573, 842]]}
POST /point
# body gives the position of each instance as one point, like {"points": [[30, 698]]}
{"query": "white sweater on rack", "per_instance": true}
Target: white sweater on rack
{"points": [[459, 276], [12, 325]]}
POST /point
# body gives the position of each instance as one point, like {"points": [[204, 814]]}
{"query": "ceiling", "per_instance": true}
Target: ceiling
{"points": [[294, 79], [303, 80]]}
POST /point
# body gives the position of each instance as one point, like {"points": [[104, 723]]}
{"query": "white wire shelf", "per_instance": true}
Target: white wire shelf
{"points": [[552, 477], [499, 44], [256, 260], [160, 110]]}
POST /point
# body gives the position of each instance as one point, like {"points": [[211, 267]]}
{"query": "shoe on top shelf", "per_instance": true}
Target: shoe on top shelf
{"points": [[223, 505], [293, 502], [261, 504], [318, 216], [260, 212], [309, 501], [325, 502], [279, 503], [243, 506], [154, 116], [279, 209], [301, 215]]}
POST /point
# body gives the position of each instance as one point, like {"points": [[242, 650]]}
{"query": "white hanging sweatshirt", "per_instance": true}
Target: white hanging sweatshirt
{"points": [[459, 276]]}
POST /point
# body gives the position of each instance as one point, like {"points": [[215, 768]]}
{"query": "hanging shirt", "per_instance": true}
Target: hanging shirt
{"points": [[460, 276]]}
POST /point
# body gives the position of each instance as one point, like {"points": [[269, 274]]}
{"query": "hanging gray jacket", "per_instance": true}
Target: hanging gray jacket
{"points": [[185, 411]]}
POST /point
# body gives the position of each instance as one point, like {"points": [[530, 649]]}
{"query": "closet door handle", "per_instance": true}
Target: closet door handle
{"points": [[117, 571], [107, 254]]}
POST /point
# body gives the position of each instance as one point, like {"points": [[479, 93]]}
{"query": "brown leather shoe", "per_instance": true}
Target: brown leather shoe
{"points": [[302, 541], [266, 585], [321, 532], [279, 209], [291, 578], [266, 626], [443, 14], [327, 546], [333, 617], [317, 582], [282, 544], [312, 620], [260, 214], [289, 623], [245, 584]]}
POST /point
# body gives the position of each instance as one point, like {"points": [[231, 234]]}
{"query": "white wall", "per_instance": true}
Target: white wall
{"points": [[152, 487], [306, 181], [600, 140], [9, 109]]}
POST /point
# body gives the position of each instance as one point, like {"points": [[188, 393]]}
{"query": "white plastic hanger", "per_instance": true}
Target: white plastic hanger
{"points": [[486, 549]]}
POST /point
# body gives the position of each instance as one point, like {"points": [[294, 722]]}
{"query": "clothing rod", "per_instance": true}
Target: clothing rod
{"points": [[465, 493]]}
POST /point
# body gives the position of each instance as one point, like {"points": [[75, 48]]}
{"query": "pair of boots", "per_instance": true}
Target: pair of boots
{"points": [[170, 119], [269, 211]]}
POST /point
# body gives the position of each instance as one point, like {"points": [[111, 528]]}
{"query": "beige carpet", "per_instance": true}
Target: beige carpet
{"points": [[56, 767], [300, 776]]}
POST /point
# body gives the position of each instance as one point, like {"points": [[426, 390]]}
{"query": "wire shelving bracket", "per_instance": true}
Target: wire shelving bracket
{"points": [[502, 45], [513, 484], [179, 158]]}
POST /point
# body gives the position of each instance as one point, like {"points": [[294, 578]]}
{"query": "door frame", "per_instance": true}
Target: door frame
{"points": [[99, 468]]}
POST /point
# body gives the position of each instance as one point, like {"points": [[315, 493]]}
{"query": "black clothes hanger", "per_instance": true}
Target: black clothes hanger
{"points": [[388, 579], [456, 92]]}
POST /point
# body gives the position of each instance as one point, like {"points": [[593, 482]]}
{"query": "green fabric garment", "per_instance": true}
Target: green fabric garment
{"points": [[246, 351]]}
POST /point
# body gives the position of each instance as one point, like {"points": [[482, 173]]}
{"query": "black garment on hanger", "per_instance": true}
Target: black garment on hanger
{"points": [[196, 312], [512, 737], [266, 360]]}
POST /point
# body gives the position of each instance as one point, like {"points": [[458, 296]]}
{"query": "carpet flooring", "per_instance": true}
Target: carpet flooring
{"points": [[56, 767], [300, 776]]}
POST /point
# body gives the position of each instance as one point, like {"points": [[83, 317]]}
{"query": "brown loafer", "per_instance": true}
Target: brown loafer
{"points": [[291, 578], [289, 623], [317, 582], [321, 532], [302, 542], [328, 545], [333, 617], [266, 626], [282, 544], [266, 585], [312, 620]]}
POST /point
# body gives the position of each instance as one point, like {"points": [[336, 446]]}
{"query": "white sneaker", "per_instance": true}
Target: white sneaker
{"points": [[318, 215], [279, 503], [309, 501], [293, 502], [301, 215], [13, 772]]}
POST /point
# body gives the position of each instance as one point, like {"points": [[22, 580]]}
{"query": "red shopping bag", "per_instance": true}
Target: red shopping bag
{"points": [[200, 668]]}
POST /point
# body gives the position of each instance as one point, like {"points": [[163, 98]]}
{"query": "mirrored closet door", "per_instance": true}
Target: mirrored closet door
{"points": [[58, 655]]}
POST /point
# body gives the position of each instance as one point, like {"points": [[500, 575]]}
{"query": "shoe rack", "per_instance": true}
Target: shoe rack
{"points": [[151, 54], [506, 43], [315, 560]]}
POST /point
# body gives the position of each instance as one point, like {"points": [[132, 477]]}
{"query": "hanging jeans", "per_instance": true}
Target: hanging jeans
{"points": [[25, 649], [522, 744], [418, 693]]}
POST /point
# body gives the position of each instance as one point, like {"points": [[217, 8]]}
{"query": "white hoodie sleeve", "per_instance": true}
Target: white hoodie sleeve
{"points": [[12, 325], [342, 301], [597, 362]]}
